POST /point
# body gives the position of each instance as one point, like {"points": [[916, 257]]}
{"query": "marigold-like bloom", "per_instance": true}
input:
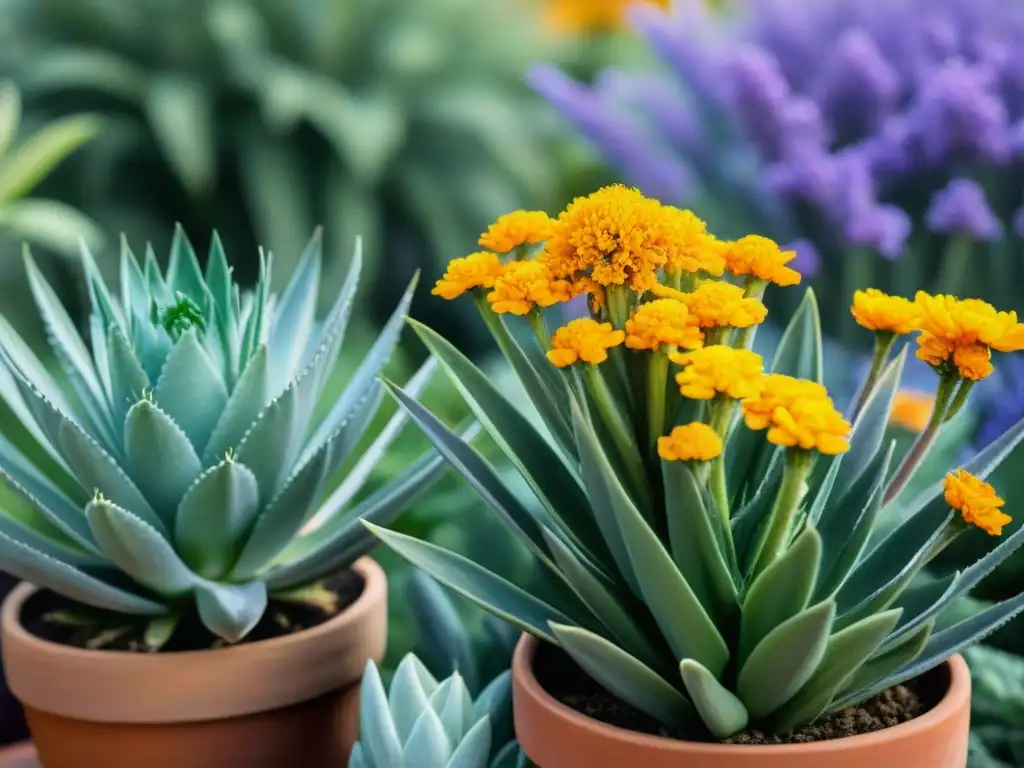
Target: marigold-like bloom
{"points": [[517, 228], [718, 304], [719, 370], [691, 442], [797, 414], [878, 311], [583, 339], [761, 257], [662, 321], [591, 15], [912, 410], [694, 249], [524, 285], [616, 236], [478, 270], [976, 501], [962, 331]]}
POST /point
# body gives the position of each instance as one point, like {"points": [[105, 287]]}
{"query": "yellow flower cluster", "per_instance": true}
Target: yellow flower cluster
{"points": [[695, 250], [591, 15], [517, 228], [878, 311], [963, 332], [719, 370], [761, 258], [976, 501], [912, 410], [524, 285], [478, 270], [583, 340], [797, 414], [715, 304], [690, 442], [662, 321]]}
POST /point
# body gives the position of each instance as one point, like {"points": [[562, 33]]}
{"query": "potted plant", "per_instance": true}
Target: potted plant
{"points": [[190, 596], [706, 518]]}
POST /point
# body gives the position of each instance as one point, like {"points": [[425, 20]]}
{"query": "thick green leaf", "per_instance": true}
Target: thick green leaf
{"points": [[624, 676], [181, 113], [52, 224], [27, 525], [377, 733], [889, 658], [407, 698], [723, 714], [32, 160], [270, 446], [128, 379], [247, 401], [295, 314], [335, 324], [847, 651], [190, 390], [457, 712], [183, 271], [218, 281], [474, 748], [10, 114], [782, 591], [213, 516], [492, 593], [437, 618], [750, 520], [230, 611], [785, 660], [923, 600], [427, 744], [139, 550]]}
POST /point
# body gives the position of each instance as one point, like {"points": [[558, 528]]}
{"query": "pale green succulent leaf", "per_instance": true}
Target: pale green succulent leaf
{"points": [[406, 698], [696, 539], [25, 563], [785, 660], [748, 523], [32, 160], [231, 611], [184, 274], [428, 744], [624, 676], [438, 619], [599, 596], [491, 592], [190, 389], [248, 399], [181, 114], [268, 448], [923, 600], [128, 379], [847, 650], [340, 312], [890, 657], [139, 550], [781, 591], [377, 734], [496, 698], [134, 291], [356, 759], [10, 114], [722, 713], [159, 630], [509, 756], [218, 282], [457, 713], [52, 224], [160, 459], [295, 314], [27, 525], [846, 526], [213, 517], [159, 290], [474, 748]]}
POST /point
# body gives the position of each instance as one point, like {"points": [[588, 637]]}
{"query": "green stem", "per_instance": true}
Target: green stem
{"points": [[721, 411], [494, 324], [610, 412], [960, 399], [955, 272], [657, 375], [617, 298], [540, 330], [883, 346], [674, 278], [924, 441], [798, 465]]}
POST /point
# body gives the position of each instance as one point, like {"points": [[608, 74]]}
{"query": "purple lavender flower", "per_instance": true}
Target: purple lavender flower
{"points": [[859, 87], [961, 209], [808, 260], [1018, 222]]}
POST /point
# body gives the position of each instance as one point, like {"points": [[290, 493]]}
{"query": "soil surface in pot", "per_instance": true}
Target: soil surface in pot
{"points": [[563, 679], [282, 617]]}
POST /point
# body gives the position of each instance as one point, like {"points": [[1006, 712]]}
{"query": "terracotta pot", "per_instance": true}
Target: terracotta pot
{"points": [[291, 700], [555, 736]]}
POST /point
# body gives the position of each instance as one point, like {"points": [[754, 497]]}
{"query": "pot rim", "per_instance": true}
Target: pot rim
{"points": [[208, 684], [527, 685]]}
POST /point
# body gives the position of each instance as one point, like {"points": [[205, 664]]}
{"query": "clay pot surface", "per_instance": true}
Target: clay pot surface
{"points": [[291, 700], [556, 736]]}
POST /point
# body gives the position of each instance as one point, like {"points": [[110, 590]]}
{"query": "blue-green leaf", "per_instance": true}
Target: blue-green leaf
{"points": [[377, 733], [190, 390], [247, 401], [722, 712], [231, 611], [128, 379], [474, 748], [428, 745], [407, 697], [183, 271], [295, 314]]}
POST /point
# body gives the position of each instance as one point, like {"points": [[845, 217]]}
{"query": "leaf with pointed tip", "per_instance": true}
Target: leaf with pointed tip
{"points": [[491, 592], [785, 660], [889, 658], [338, 315], [296, 311], [922, 600], [845, 653], [407, 698], [230, 611], [139, 550], [781, 591], [495, 703], [183, 271], [21, 361], [250, 396], [624, 676], [269, 446], [159, 631], [158, 287], [218, 282], [457, 713], [721, 711], [474, 748], [190, 390], [377, 733], [428, 744], [37, 568], [27, 525], [437, 618], [869, 431], [748, 523], [213, 517], [160, 459], [134, 291], [128, 379], [509, 756]]}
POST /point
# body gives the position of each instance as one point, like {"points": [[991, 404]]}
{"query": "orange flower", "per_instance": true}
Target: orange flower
{"points": [[797, 414], [478, 270], [718, 304], [583, 340], [878, 311], [662, 321], [718, 370], [691, 442], [517, 228], [976, 501], [912, 410], [524, 285], [761, 257]]}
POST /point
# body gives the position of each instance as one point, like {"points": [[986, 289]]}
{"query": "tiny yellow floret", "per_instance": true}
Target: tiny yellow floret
{"points": [[524, 285], [662, 321], [976, 501], [912, 410], [691, 442], [717, 304], [797, 414], [478, 270], [719, 370], [881, 312], [762, 258], [583, 340], [517, 228]]}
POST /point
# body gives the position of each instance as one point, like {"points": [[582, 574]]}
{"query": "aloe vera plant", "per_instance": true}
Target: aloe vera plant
{"points": [[425, 722], [708, 524], [177, 466]]}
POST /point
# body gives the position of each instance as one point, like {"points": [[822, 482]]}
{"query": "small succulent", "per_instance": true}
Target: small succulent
{"points": [[709, 525], [179, 467], [424, 722]]}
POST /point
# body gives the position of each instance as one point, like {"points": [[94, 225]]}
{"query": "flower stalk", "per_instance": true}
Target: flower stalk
{"points": [[780, 522], [884, 341]]}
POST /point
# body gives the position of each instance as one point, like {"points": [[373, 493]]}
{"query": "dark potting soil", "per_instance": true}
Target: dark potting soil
{"points": [[563, 679], [281, 618]]}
